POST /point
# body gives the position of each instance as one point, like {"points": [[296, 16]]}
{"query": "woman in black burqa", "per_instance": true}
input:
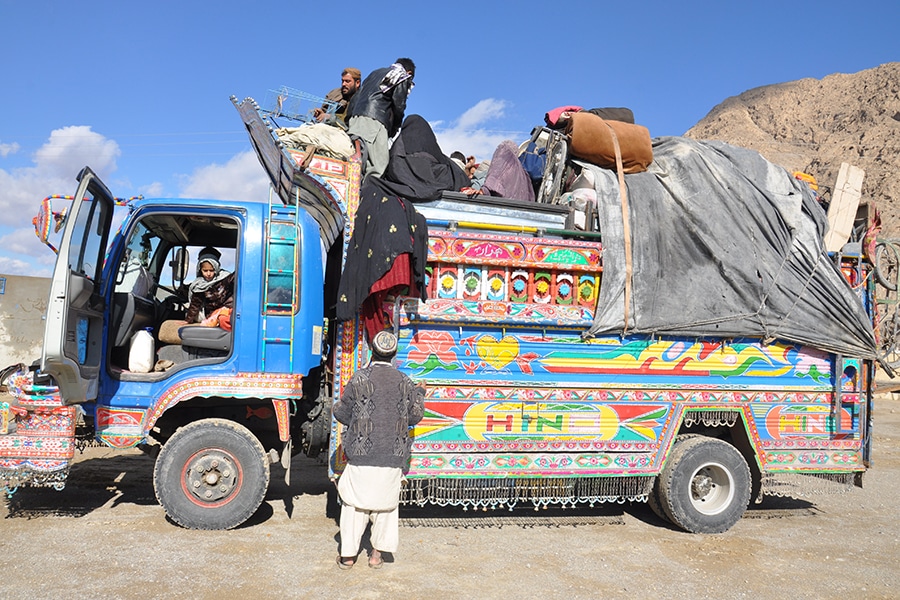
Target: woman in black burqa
{"points": [[388, 249], [418, 170]]}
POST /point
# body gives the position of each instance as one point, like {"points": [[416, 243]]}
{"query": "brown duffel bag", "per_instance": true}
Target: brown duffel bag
{"points": [[592, 140]]}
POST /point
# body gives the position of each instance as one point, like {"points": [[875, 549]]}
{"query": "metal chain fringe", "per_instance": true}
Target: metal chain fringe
{"points": [[492, 494], [805, 484], [710, 418]]}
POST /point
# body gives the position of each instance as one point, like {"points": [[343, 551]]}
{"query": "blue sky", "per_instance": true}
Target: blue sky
{"points": [[140, 90]]}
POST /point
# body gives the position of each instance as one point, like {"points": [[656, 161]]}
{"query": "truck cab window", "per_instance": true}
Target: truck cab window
{"points": [[90, 236]]}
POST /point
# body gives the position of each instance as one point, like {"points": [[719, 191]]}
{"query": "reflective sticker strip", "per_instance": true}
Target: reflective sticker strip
{"points": [[317, 339]]}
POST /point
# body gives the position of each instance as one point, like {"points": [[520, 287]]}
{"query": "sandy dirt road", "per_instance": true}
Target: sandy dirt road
{"points": [[105, 536]]}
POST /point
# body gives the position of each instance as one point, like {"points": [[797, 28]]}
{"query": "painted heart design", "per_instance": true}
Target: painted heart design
{"points": [[497, 353]]}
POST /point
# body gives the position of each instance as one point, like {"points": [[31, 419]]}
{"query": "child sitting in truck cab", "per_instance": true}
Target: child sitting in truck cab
{"points": [[212, 293]]}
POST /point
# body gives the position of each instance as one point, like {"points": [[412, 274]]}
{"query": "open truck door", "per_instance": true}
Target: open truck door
{"points": [[73, 345]]}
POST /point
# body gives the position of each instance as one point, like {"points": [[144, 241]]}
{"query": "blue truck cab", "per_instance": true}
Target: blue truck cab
{"points": [[240, 386]]}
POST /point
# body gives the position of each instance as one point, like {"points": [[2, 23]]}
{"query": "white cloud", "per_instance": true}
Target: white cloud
{"points": [[71, 148], [485, 110], [23, 190], [241, 178], [7, 149], [468, 133], [38, 259], [23, 241], [55, 165], [154, 190], [14, 266]]}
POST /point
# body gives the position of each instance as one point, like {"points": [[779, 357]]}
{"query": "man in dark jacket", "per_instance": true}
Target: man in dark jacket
{"points": [[377, 109], [378, 406]]}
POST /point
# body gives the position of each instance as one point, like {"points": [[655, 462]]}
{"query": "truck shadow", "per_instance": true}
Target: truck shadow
{"points": [[309, 477], [772, 507], [106, 478], [111, 478], [522, 515], [92, 483], [525, 515]]}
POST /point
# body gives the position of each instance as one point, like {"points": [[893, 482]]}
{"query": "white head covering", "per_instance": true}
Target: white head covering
{"points": [[210, 255], [207, 255]]}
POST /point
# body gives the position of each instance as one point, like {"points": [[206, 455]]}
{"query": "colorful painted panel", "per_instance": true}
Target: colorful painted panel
{"points": [[493, 312], [472, 283], [806, 437], [819, 460], [588, 289], [508, 423], [523, 252], [241, 385], [529, 271], [796, 422], [560, 357], [447, 280], [40, 450], [120, 428]]}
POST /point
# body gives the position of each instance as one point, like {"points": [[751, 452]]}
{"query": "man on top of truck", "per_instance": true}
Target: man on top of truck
{"points": [[377, 109], [350, 78]]}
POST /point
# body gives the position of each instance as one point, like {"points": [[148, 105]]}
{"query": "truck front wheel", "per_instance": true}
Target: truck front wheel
{"points": [[705, 485], [211, 474]]}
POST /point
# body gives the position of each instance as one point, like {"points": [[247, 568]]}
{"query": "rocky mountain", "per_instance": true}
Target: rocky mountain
{"points": [[813, 125]]}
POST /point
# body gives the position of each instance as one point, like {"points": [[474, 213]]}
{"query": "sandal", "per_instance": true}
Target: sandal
{"points": [[375, 560], [345, 565]]}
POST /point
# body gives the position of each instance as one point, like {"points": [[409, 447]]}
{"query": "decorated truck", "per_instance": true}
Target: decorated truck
{"points": [[686, 340]]}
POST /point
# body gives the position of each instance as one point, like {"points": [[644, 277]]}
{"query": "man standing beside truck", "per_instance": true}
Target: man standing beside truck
{"points": [[379, 406], [377, 109]]}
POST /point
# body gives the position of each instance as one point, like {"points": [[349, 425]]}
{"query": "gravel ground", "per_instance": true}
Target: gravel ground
{"points": [[104, 536]]}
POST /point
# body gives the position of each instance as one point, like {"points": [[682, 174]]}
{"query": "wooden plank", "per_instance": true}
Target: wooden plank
{"points": [[843, 207]]}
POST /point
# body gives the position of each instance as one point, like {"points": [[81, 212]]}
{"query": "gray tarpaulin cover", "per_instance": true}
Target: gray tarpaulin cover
{"points": [[724, 244]]}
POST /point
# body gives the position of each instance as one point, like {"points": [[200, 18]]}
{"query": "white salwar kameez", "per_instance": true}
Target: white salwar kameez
{"points": [[369, 494]]}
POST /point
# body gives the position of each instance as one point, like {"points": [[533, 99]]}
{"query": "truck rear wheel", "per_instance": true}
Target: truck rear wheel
{"points": [[705, 485], [654, 502], [211, 474]]}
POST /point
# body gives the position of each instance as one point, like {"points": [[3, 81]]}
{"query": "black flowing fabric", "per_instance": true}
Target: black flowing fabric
{"points": [[724, 244], [385, 227], [417, 169]]}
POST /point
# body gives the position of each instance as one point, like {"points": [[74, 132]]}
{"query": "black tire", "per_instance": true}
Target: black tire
{"points": [[211, 474], [554, 171], [887, 263], [705, 485], [655, 503]]}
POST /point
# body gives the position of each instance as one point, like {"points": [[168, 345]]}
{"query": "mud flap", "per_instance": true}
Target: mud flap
{"points": [[286, 461]]}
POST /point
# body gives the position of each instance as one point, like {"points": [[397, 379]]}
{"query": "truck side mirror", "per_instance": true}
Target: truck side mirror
{"points": [[179, 265]]}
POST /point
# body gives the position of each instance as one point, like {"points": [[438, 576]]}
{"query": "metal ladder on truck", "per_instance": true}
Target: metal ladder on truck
{"points": [[282, 272]]}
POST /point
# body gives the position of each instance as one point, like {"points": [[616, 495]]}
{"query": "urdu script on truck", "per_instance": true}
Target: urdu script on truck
{"points": [[691, 344]]}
